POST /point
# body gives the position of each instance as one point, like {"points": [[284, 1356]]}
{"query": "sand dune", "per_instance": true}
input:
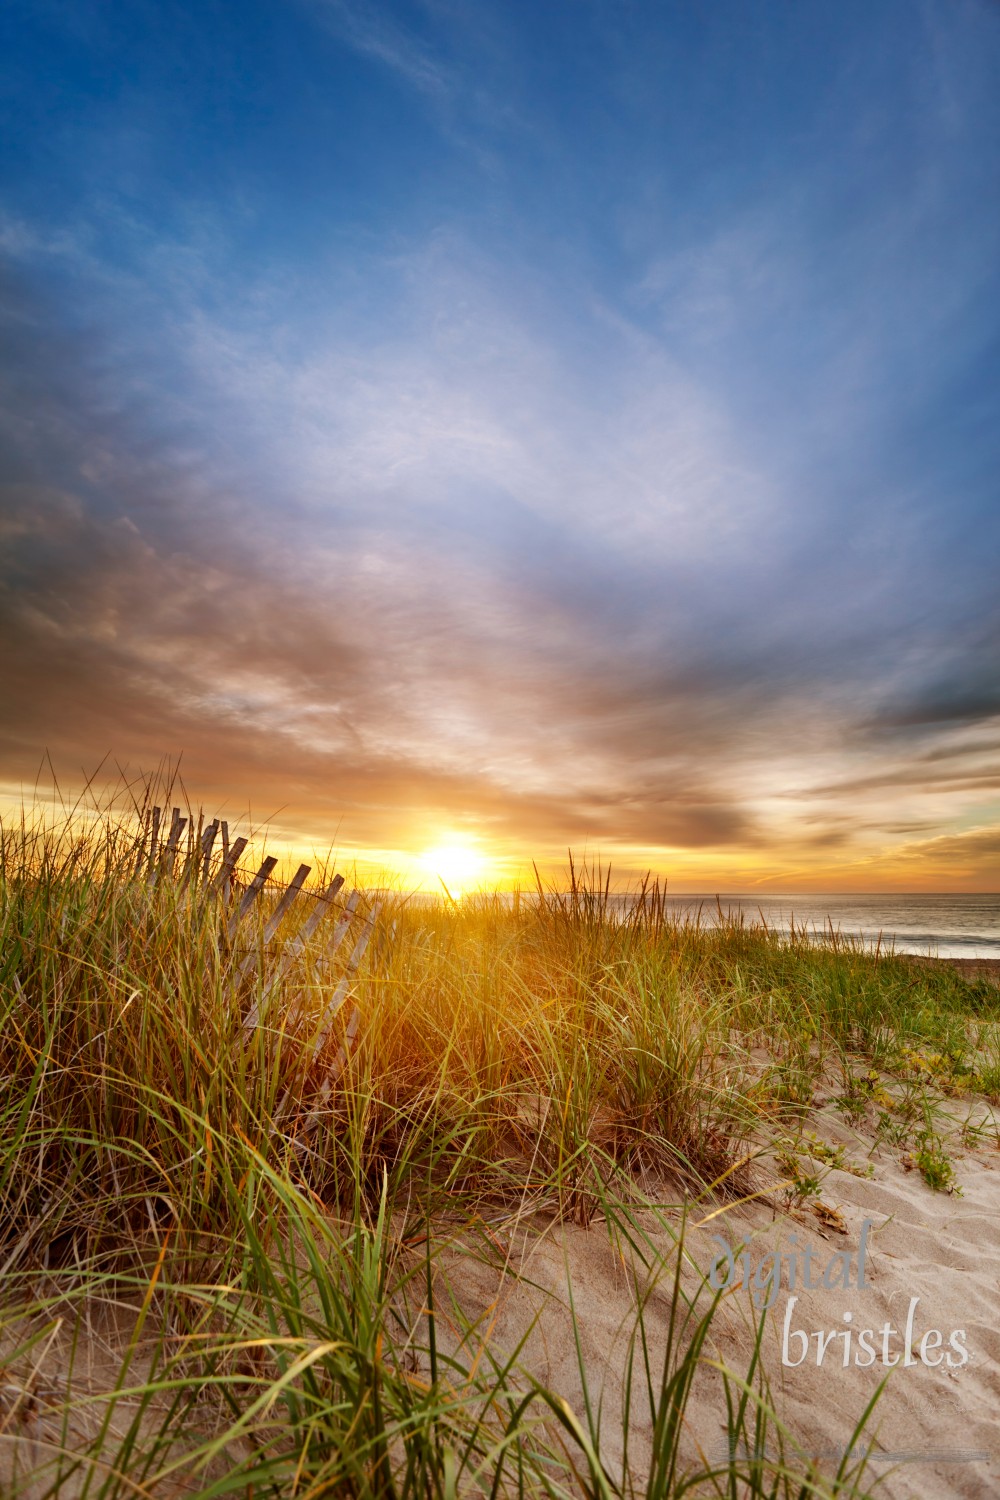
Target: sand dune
{"points": [[931, 1256], [934, 1431]]}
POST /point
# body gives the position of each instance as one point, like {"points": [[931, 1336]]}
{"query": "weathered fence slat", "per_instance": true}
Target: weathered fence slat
{"points": [[230, 860], [343, 985], [273, 923], [207, 841], [340, 930], [159, 857], [321, 906], [197, 861], [295, 885], [343, 1053], [296, 945], [154, 834], [169, 850], [339, 933], [350, 1030], [177, 827], [142, 852], [250, 895]]}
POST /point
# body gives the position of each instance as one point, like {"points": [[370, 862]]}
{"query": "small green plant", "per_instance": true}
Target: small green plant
{"points": [[934, 1163], [891, 1129], [811, 1145], [986, 1071], [979, 1133], [861, 1091], [800, 1185], [820, 1150]]}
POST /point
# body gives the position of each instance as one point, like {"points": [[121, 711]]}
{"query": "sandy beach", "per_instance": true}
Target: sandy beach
{"points": [[916, 1261], [969, 968], [931, 1261], [927, 1296]]}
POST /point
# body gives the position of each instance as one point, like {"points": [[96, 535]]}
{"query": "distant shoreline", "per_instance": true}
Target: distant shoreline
{"points": [[969, 968]]}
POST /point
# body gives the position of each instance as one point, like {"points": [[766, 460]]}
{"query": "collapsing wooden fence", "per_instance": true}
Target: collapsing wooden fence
{"points": [[192, 864]]}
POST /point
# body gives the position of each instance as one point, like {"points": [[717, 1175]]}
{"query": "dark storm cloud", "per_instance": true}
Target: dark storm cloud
{"points": [[958, 702]]}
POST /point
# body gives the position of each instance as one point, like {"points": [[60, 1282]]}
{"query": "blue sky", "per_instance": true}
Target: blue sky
{"points": [[532, 424]]}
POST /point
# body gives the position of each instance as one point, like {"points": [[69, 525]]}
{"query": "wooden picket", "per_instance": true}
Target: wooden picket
{"points": [[159, 862], [230, 859], [295, 946], [250, 895]]}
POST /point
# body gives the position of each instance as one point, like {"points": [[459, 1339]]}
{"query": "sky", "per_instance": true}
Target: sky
{"points": [[467, 431]]}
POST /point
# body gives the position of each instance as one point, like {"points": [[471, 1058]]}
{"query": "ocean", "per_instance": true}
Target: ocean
{"points": [[940, 926]]}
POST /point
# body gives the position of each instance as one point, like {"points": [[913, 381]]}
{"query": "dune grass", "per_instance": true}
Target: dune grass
{"points": [[263, 1262]]}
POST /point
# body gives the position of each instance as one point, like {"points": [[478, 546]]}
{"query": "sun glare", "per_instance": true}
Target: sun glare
{"points": [[458, 865]]}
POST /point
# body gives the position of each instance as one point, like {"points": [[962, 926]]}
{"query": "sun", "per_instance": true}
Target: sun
{"points": [[458, 864]]}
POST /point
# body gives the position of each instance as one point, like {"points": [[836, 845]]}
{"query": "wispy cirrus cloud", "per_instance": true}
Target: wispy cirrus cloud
{"points": [[373, 31]]}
